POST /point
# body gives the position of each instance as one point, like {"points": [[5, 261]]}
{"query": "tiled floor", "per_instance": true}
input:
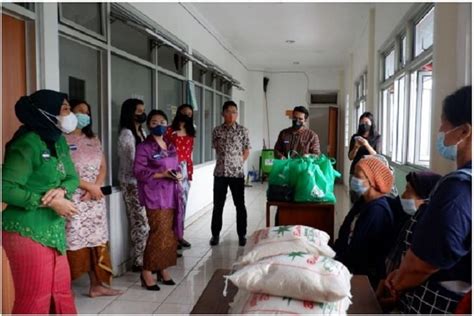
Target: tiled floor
{"points": [[194, 269]]}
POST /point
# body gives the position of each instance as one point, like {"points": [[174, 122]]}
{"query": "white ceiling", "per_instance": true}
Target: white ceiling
{"points": [[323, 32]]}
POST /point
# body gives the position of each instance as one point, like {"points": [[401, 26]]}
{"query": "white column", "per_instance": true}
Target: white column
{"points": [[446, 71], [48, 44]]}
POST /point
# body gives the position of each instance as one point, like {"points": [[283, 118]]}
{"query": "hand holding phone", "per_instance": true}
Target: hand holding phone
{"points": [[106, 190]]}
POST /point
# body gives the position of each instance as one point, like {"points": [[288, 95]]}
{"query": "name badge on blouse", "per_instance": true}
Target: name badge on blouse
{"points": [[157, 156], [46, 155], [286, 141], [72, 147]]}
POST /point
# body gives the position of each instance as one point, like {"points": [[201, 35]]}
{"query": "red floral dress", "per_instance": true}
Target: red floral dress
{"points": [[184, 146]]}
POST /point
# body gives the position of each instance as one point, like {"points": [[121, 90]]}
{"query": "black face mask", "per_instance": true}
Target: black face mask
{"points": [[140, 118], [184, 118], [363, 128], [297, 124]]}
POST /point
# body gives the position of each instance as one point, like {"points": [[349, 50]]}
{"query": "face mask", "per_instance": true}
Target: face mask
{"points": [[448, 152], [140, 118], [67, 123], [297, 124], [158, 130], [82, 120], [364, 128], [409, 206], [184, 118], [357, 185]]}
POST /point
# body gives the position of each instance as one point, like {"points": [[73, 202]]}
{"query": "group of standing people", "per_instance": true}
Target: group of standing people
{"points": [[54, 226], [154, 174], [416, 248]]}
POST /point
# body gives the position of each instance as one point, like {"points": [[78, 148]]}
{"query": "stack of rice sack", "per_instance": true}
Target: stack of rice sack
{"points": [[290, 270]]}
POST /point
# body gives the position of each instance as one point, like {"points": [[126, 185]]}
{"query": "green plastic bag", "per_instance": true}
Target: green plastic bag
{"points": [[280, 173], [316, 182]]}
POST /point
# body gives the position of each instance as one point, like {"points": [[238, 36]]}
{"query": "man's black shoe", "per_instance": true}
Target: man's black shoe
{"points": [[214, 241], [242, 241]]}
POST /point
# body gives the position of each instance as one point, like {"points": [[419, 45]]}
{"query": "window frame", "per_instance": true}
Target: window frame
{"points": [[412, 64], [104, 22], [83, 36]]}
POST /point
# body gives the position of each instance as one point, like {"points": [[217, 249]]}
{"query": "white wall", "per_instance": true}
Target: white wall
{"points": [[450, 61], [255, 119], [289, 89]]}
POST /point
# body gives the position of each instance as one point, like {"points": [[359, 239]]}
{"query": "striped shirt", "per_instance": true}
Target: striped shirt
{"points": [[304, 141]]}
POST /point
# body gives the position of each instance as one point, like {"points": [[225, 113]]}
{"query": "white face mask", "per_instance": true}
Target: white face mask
{"points": [[66, 124], [409, 206]]}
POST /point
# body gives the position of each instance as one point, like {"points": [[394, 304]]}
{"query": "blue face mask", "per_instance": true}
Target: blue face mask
{"points": [[448, 152], [357, 185], [158, 130], [82, 120], [409, 206]]}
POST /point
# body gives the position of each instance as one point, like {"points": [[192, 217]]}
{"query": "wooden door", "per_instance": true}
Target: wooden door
{"points": [[13, 73], [332, 132]]}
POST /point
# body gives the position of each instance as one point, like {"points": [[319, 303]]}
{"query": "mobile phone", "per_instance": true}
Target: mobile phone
{"points": [[173, 173], [107, 190]]}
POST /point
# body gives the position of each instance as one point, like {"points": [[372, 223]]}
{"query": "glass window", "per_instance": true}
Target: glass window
{"points": [[170, 94], [419, 145], [389, 62], [424, 33], [81, 80], [401, 121], [208, 124], [129, 80], [27, 5], [87, 15], [403, 50], [412, 119], [425, 125], [227, 88], [198, 73], [131, 40], [197, 120], [209, 79], [218, 113], [219, 84], [170, 59]]}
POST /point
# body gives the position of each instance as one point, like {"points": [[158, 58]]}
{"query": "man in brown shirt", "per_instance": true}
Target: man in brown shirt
{"points": [[297, 137]]}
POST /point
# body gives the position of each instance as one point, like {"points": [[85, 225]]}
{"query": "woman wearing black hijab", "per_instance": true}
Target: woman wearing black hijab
{"points": [[38, 180]]}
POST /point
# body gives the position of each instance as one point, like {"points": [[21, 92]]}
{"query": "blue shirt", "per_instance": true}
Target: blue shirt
{"points": [[442, 237], [365, 238]]}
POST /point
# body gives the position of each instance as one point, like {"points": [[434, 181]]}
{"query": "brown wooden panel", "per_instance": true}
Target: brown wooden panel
{"points": [[317, 215], [13, 73]]}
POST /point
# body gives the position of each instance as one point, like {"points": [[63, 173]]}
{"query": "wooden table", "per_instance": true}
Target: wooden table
{"points": [[213, 302], [317, 215]]}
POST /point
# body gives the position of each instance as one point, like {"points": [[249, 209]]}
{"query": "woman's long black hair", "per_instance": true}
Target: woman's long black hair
{"points": [[88, 129], [188, 125], [373, 131], [127, 118]]}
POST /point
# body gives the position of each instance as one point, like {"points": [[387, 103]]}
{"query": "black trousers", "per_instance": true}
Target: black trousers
{"points": [[237, 189]]}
